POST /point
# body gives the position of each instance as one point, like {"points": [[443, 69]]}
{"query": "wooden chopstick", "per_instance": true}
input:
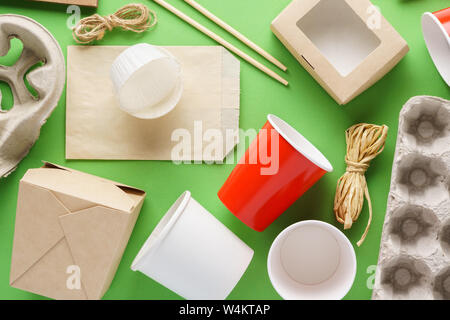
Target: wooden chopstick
{"points": [[221, 41], [236, 33]]}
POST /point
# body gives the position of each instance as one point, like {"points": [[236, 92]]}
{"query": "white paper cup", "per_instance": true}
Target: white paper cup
{"points": [[193, 254], [147, 80], [311, 260]]}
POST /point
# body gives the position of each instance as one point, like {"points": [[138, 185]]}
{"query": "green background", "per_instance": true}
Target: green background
{"points": [[304, 104]]}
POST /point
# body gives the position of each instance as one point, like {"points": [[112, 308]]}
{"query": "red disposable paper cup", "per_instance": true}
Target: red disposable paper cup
{"points": [[257, 190], [436, 32]]}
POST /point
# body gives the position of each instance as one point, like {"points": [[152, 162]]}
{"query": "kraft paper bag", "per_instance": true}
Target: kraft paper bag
{"points": [[87, 3], [206, 118], [71, 231]]}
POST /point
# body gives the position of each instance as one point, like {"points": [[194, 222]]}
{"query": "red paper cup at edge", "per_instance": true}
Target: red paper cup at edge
{"points": [[436, 32], [258, 190]]}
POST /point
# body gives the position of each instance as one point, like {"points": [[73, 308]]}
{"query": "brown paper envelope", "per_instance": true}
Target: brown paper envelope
{"points": [[49, 237], [97, 129], [88, 3]]}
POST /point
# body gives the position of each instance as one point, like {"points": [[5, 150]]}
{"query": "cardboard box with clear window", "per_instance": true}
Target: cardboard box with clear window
{"points": [[346, 45]]}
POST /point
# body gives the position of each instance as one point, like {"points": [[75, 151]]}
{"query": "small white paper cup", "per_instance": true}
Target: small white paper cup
{"points": [[147, 80], [193, 254], [311, 260]]}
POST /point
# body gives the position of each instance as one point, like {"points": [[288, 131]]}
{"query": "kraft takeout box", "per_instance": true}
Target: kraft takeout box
{"points": [[346, 45], [69, 223]]}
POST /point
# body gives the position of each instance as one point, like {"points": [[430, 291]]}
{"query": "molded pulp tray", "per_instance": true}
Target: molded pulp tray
{"points": [[414, 261]]}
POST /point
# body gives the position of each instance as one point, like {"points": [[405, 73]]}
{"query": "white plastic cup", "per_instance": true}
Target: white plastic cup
{"points": [[311, 260], [147, 80], [193, 254]]}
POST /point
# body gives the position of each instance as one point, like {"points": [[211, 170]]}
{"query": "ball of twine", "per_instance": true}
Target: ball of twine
{"points": [[132, 17], [364, 143]]}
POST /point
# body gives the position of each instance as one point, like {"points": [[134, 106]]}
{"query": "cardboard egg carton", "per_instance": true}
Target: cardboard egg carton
{"points": [[414, 261]]}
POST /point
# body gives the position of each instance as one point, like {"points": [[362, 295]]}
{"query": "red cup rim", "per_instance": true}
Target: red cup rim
{"points": [[437, 39], [432, 16], [300, 143]]}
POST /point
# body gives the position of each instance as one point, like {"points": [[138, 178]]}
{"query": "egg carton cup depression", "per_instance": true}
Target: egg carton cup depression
{"points": [[414, 261]]}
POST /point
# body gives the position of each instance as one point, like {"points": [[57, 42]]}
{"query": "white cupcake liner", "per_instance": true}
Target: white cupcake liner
{"points": [[147, 80]]}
